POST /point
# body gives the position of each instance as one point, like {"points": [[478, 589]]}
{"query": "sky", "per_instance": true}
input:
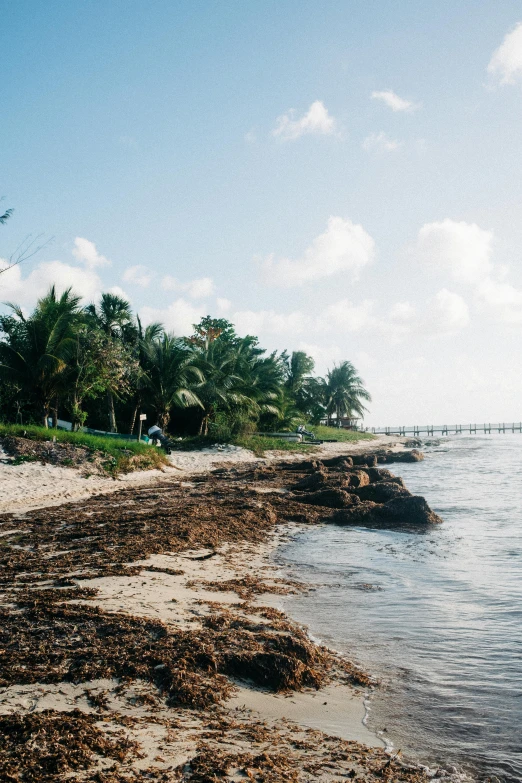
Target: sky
{"points": [[336, 177]]}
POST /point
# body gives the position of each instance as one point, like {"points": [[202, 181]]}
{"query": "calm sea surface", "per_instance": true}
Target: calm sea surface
{"points": [[436, 615]]}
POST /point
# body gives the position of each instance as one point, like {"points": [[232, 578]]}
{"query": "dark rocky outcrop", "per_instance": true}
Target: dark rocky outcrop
{"points": [[336, 462], [400, 456], [312, 482], [330, 498], [304, 466], [368, 460], [406, 512], [382, 491], [356, 478]]}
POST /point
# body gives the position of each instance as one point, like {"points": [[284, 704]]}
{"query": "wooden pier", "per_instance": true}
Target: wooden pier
{"points": [[447, 429]]}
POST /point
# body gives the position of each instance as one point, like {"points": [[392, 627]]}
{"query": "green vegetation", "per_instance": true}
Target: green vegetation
{"points": [[344, 436], [97, 365], [117, 455]]}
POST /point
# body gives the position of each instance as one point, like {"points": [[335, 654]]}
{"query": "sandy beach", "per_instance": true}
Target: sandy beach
{"points": [[34, 485], [147, 622]]}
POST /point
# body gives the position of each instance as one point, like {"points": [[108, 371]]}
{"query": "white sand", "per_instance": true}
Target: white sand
{"points": [[34, 485]]}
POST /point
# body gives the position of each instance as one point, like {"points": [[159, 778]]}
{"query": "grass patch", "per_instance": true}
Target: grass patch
{"points": [[343, 436], [112, 455]]}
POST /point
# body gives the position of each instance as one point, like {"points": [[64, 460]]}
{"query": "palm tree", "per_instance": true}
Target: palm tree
{"points": [[153, 331], [171, 376], [36, 352], [345, 391], [113, 316], [299, 367]]}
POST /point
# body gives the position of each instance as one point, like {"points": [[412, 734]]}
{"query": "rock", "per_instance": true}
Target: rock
{"points": [[401, 512], [356, 478], [368, 460], [409, 510], [382, 491], [303, 466], [359, 514], [312, 482], [401, 456], [334, 462], [331, 498]]}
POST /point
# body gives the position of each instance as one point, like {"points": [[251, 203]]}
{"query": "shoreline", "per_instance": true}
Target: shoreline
{"points": [[46, 485], [189, 589]]}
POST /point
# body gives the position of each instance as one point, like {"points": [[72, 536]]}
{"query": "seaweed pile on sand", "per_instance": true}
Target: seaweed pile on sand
{"points": [[130, 675]]}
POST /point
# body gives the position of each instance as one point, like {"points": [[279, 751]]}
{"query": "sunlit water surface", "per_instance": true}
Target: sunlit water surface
{"points": [[437, 615]]}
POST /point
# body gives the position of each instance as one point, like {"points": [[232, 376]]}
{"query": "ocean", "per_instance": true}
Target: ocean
{"points": [[435, 615]]}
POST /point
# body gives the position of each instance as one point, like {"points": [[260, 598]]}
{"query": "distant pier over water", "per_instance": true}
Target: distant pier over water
{"points": [[448, 429]]}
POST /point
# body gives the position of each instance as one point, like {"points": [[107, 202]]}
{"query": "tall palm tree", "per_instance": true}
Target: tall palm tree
{"points": [[113, 316], [345, 391], [37, 349], [299, 367], [238, 379], [171, 376], [153, 331]]}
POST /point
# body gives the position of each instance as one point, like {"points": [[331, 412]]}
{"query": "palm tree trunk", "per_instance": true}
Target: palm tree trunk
{"points": [[203, 427], [134, 415], [112, 414], [45, 414]]}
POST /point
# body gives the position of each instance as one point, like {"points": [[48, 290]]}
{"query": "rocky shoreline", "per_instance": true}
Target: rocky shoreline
{"points": [[129, 620]]}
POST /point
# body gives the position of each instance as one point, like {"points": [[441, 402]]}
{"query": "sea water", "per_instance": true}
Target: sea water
{"points": [[435, 615]]}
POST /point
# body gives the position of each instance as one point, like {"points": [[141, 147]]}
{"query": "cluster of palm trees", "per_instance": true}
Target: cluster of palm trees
{"points": [[99, 363]]}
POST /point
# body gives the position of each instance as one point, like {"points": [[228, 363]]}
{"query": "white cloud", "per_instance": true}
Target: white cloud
{"points": [[447, 313], [251, 136], [26, 290], [269, 322], [85, 251], [464, 249], [323, 356], [346, 316], [317, 120], [138, 275], [223, 305], [343, 247], [178, 317], [506, 63], [196, 289], [394, 101], [380, 142], [402, 312], [504, 299]]}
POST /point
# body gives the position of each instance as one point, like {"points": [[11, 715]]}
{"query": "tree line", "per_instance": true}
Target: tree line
{"points": [[98, 365]]}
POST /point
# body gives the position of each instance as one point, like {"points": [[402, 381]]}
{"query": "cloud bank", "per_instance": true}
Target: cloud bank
{"points": [[344, 247]]}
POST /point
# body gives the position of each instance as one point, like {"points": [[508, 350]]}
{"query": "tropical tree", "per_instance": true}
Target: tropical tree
{"points": [[113, 316], [36, 350], [344, 392], [153, 331], [171, 376]]}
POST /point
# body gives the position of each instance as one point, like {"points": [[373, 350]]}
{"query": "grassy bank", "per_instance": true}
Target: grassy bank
{"points": [[344, 436], [111, 455]]}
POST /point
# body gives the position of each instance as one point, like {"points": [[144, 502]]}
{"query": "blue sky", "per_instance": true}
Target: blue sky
{"points": [[158, 147]]}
